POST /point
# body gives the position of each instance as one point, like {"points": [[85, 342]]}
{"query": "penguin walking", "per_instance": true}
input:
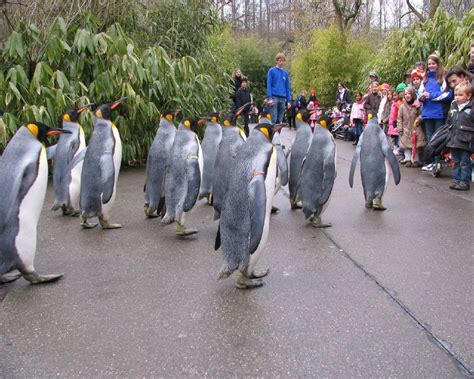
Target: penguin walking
{"points": [[101, 168], [156, 165], [304, 135], [210, 145], [183, 175], [67, 163], [374, 152], [24, 173], [318, 173], [245, 217], [233, 138]]}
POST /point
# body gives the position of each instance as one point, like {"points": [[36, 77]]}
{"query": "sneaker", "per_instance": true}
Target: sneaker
{"points": [[403, 161], [462, 186], [454, 185], [436, 170], [428, 167]]}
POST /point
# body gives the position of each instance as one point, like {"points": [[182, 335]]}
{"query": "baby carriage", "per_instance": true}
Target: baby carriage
{"points": [[340, 123]]}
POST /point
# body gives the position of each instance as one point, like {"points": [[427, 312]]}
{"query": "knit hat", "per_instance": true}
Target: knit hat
{"points": [[401, 87], [385, 86], [374, 74], [417, 73]]}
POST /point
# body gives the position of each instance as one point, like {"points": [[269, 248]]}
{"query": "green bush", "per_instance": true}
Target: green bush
{"points": [[80, 64], [327, 58]]}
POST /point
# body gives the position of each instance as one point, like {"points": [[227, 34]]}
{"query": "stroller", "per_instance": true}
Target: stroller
{"points": [[340, 123]]}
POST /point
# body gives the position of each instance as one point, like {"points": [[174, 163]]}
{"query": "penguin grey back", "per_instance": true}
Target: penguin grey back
{"points": [[373, 149], [157, 162], [98, 171], [231, 143], [318, 172], [210, 145], [66, 148], [183, 176], [235, 226], [18, 170], [299, 148]]}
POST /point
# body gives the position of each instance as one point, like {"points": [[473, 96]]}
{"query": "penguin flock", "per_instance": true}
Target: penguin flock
{"points": [[237, 175]]}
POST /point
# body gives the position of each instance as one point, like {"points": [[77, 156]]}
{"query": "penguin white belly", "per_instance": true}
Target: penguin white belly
{"points": [[200, 158], [117, 162], [269, 189], [387, 175], [29, 214]]}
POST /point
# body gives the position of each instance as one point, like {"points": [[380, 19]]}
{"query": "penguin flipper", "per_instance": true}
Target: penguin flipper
{"points": [[354, 161], [108, 176], [329, 175], [194, 184], [22, 181], [257, 205], [78, 158], [392, 160]]}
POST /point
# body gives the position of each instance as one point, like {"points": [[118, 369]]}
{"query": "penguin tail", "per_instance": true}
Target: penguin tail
{"points": [[56, 205], [167, 219]]}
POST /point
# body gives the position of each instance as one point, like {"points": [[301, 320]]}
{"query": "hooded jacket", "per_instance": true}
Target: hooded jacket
{"points": [[462, 132], [433, 106]]}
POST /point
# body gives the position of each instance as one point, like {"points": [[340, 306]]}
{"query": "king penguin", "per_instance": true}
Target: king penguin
{"points": [[245, 218], [183, 175], [24, 173], [318, 173], [304, 135], [156, 165], [101, 168], [374, 152], [210, 145], [69, 152], [233, 138]]}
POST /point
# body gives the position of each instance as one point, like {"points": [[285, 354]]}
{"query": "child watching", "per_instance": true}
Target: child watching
{"points": [[357, 116], [461, 140]]}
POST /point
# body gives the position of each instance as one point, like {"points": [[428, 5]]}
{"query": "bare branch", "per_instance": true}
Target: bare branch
{"points": [[415, 11]]}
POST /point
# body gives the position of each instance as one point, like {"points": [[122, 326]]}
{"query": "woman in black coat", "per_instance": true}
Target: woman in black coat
{"points": [[343, 97]]}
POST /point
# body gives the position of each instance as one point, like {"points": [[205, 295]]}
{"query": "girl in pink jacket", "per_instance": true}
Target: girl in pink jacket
{"points": [[357, 115], [392, 122]]}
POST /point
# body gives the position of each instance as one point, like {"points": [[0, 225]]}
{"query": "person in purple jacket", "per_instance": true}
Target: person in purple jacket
{"points": [[433, 94], [278, 89]]}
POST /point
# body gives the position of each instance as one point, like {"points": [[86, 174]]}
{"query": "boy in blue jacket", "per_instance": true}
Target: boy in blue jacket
{"points": [[278, 89]]}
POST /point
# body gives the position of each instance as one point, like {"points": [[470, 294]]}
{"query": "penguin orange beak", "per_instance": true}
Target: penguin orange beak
{"points": [[242, 108], [278, 127], [84, 107], [55, 132], [116, 103], [203, 120]]}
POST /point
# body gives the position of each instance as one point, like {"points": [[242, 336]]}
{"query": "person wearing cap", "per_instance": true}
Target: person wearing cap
{"points": [[433, 94], [373, 77], [278, 89], [416, 78]]}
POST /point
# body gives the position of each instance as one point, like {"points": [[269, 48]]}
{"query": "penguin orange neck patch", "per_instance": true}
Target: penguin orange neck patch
{"points": [[265, 132], [33, 129], [169, 117], [187, 124], [66, 117]]}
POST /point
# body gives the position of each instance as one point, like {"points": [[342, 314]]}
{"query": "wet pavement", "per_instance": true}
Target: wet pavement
{"points": [[379, 294]]}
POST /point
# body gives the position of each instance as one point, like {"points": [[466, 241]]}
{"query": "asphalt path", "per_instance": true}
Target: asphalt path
{"points": [[379, 294]]}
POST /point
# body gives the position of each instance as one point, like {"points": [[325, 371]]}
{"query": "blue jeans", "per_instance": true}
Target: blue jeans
{"points": [[462, 170], [431, 126], [358, 123], [277, 110]]}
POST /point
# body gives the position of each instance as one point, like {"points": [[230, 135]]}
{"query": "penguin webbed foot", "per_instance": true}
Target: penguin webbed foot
{"points": [[106, 225], [87, 225], [35, 278], [10, 276], [150, 211], [244, 283], [256, 274], [225, 272], [316, 222], [377, 204], [182, 231]]}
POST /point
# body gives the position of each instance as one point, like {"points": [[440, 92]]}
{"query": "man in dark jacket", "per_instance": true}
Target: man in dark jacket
{"points": [[243, 97]]}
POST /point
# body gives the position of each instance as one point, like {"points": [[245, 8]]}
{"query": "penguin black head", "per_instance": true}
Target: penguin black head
{"points": [[105, 110], [214, 116], [230, 119], [170, 115], [42, 131], [324, 120], [265, 117], [72, 115], [303, 115], [267, 130], [193, 123]]}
